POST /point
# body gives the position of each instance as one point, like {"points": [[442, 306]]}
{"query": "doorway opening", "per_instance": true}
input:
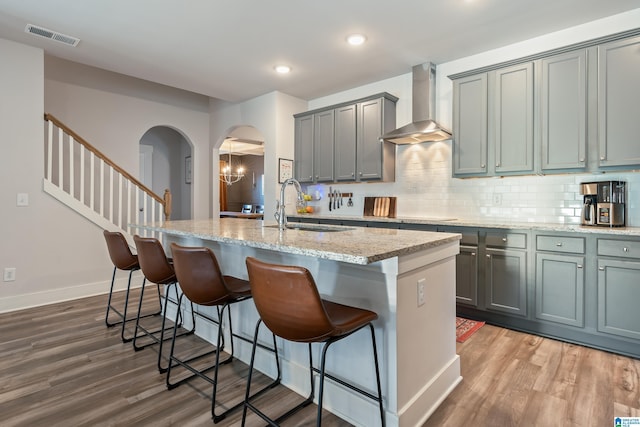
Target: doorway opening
{"points": [[165, 156], [242, 148]]}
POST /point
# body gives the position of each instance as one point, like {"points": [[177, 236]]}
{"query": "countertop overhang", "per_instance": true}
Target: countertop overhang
{"points": [[356, 245]]}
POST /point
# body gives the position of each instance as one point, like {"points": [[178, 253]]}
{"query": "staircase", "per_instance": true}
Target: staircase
{"points": [[87, 181]]}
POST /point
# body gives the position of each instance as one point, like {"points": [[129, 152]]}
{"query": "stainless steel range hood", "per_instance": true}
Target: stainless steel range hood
{"points": [[422, 128]]}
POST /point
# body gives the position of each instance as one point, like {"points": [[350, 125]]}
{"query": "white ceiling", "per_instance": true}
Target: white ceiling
{"points": [[227, 48]]}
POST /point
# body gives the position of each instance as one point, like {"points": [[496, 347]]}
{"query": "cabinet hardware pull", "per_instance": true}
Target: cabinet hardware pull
{"points": [[497, 164], [582, 160], [473, 254], [353, 174], [488, 256], [360, 173], [483, 166], [625, 249], [579, 265], [310, 176], [559, 244], [602, 157], [504, 239], [601, 268]]}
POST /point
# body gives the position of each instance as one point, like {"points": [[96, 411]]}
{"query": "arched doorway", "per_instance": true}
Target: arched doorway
{"points": [[165, 156], [243, 147]]}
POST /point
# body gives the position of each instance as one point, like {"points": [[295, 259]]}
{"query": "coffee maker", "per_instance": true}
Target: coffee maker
{"points": [[603, 203]]}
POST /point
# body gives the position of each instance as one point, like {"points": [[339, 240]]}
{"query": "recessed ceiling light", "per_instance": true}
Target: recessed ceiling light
{"points": [[356, 39], [282, 69]]}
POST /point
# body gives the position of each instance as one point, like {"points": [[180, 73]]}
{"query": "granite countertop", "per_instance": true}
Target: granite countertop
{"points": [[481, 223], [355, 245]]}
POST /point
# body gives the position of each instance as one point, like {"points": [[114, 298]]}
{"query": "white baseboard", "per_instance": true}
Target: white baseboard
{"points": [[37, 299]]}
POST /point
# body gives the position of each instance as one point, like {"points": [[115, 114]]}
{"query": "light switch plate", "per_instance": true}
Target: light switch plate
{"points": [[22, 199]]}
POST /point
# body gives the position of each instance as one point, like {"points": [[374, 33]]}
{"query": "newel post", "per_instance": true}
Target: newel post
{"points": [[167, 204]]}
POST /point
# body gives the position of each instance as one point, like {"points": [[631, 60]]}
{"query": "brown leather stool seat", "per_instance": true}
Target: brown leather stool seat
{"points": [[202, 282], [122, 259], [157, 268], [289, 304]]}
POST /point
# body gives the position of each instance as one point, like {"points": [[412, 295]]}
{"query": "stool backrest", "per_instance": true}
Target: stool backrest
{"points": [[153, 261], [119, 251], [288, 301], [199, 275]]}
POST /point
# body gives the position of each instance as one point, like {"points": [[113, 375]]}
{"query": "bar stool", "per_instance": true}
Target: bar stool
{"points": [[289, 304], [203, 283], [158, 269], [123, 259]]}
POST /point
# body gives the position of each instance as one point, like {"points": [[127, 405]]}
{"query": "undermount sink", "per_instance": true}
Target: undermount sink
{"points": [[312, 227]]}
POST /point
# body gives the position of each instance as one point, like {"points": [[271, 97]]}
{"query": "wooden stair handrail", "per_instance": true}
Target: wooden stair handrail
{"points": [[165, 201]]}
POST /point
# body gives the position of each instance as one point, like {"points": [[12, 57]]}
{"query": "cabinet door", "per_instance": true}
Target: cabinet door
{"points": [[345, 143], [369, 148], [467, 276], [323, 145], [564, 111], [618, 297], [470, 125], [513, 119], [618, 97], [560, 289], [506, 281], [304, 149]]}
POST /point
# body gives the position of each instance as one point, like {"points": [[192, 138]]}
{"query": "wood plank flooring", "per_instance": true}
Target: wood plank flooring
{"points": [[60, 365]]}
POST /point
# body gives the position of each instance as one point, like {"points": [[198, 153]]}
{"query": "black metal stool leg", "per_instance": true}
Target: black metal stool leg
{"points": [[106, 317]]}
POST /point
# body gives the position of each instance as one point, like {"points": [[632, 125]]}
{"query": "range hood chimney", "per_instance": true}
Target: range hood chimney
{"points": [[422, 128]]}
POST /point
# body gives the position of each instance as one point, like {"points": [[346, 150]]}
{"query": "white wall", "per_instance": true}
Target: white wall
{"points": [[272, 116], [113, 112], [424, 186], [58, 254]]}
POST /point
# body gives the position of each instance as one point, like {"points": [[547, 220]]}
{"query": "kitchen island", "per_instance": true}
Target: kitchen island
{"points": [[407, 277]]}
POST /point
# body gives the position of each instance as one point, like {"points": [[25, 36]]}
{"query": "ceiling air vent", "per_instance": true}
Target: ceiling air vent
{"points": [[52, 35]]}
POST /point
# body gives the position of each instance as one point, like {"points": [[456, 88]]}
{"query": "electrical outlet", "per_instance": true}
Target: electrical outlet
{"points": [[421, 284], [22, 199], [497, 199], [9, 274]]}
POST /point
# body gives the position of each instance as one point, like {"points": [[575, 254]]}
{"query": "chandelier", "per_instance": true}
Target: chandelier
{"points": [[227, 174]]}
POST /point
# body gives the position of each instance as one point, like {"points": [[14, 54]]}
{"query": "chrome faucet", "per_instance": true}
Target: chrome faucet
{"points": [[280, 215]]}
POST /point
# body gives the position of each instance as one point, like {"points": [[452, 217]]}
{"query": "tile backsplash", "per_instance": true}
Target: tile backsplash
{"points": [[424, 188]]}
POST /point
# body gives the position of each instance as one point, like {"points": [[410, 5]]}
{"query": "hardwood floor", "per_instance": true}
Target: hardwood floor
{"points": [[515, 379], [60, 365]]}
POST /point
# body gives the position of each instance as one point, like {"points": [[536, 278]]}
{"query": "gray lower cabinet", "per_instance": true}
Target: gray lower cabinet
{"points": [[619, 92], [563, 111], [467, 276], [560, 279], [512, 125], [506, 281], [619, 287]]}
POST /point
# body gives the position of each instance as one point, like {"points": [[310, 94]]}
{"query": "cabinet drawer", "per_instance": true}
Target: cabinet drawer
{"points": [[507, 240], [619, 248], [560, 244]]}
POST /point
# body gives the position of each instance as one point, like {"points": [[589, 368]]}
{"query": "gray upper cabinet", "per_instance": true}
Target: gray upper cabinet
{"points": [[304, 149], [345, 143], [470, 125], [573, 109], [373, 156], [618, 97], [342, 142], [513, 119], [323, 146], [563, 111]]}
